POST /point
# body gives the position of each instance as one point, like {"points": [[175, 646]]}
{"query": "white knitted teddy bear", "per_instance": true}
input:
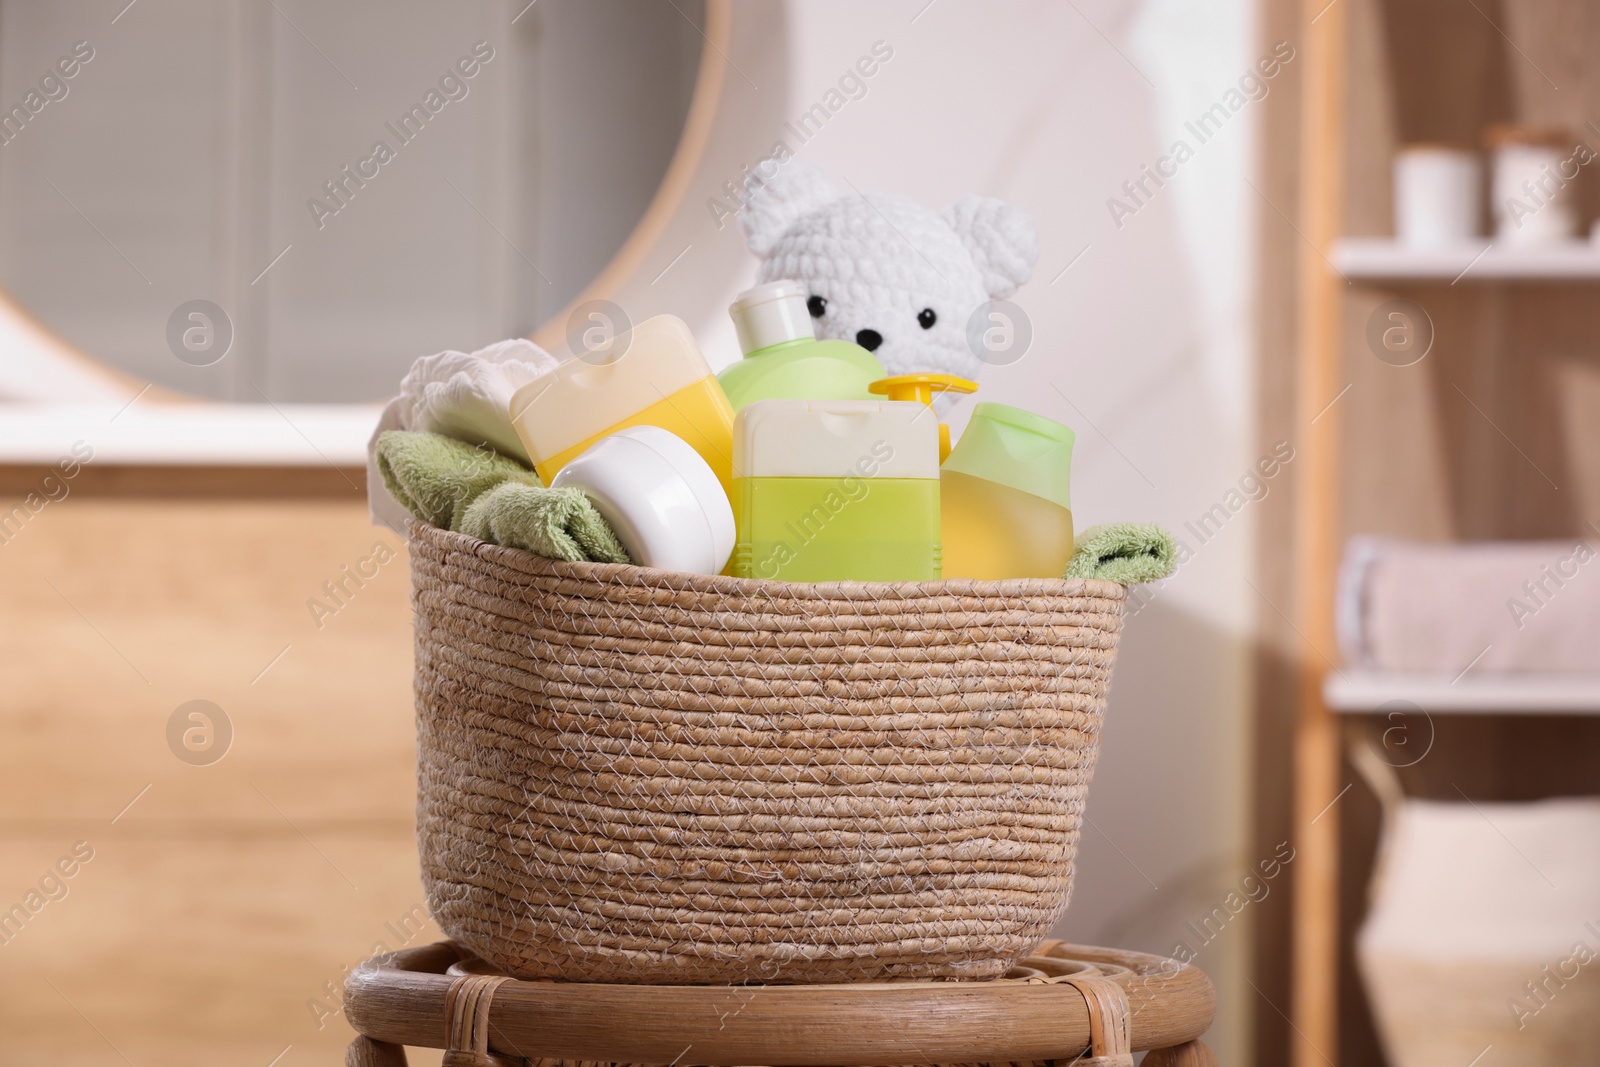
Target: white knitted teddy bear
{"points": [[898, 279]]}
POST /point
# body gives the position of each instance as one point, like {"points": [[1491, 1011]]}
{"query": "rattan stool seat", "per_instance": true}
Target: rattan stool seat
{"points": [[1063, 1004]]}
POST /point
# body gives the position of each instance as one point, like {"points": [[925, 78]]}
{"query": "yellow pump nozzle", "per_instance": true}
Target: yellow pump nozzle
{"points": [[921, 387]]}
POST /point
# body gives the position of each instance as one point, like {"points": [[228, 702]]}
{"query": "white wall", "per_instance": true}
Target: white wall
{"points": [[1148, 337]]}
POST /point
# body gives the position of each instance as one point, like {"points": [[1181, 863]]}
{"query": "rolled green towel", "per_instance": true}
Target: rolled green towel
{"points": [[558, 523], [1127, 552], [437, 477], [475, 491]]}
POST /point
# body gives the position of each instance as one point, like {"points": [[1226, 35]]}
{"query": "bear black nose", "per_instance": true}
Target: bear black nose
{"points": [[869, 339]]}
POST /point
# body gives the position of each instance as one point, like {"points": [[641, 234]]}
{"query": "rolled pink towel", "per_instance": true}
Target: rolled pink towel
{"points": [[1496, 606]]}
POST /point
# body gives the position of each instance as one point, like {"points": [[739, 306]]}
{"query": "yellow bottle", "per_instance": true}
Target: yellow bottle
{"points": [[1005, 497], [653, 375], [836, 490]]}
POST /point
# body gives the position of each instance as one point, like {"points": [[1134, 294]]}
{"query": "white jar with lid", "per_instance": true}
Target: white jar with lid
{"points": [[1532, 197], [1438, 190], [659, 496]]}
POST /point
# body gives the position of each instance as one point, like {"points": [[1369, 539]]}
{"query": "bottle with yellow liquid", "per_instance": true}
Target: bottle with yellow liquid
{"points": [[652, 375], [836, 490], [1005, 497]]}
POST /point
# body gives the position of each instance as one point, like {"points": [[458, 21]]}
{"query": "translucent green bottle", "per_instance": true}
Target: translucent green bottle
{"points": [[1005, 497], [783, 360]]}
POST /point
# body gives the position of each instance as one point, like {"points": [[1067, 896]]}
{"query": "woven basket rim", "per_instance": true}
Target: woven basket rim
{"points": [[533, 564]]}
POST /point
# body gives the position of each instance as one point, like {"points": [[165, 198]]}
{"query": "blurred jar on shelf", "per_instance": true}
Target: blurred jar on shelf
{"points": [[1437, 192], [1533, 193]]}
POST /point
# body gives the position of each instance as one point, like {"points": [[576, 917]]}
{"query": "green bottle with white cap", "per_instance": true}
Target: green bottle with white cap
{"points": [[783, 360], [1005, 496]]}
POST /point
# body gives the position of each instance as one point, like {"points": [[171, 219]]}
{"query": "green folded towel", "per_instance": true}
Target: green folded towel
{"points": [[452, 485], [558, 523], [1128, 552]]}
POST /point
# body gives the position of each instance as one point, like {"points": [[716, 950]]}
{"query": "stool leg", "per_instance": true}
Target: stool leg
{"points": [[456, 1057], [1188, 1054], [365, 1052]]}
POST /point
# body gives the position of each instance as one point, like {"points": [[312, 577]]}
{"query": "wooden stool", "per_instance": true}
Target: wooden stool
{"points": [[1066, 1004]]}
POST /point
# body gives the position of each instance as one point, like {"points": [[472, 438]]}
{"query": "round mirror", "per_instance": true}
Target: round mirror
{"points": [[292, 200]]}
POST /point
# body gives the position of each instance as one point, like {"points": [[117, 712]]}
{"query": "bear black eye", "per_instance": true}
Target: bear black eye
{"points": [[927, 318], [818, 306]]}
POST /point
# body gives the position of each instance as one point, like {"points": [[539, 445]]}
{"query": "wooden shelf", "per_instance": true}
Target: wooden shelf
{"points": [[1458, 450], [1385, 259], [1358, 691]]}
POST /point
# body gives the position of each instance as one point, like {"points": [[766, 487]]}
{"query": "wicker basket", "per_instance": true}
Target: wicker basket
{"points": [[628, 775]]}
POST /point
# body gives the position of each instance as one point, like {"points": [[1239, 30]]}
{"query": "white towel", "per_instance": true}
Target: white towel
{"points": [[460, 395]]}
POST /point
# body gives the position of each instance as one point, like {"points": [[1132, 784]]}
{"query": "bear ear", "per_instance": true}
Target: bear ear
{"points": [[777, 203], [1002, 239]]}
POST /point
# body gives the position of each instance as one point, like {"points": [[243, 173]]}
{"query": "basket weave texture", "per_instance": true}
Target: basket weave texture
{"points": [[629, 775]]}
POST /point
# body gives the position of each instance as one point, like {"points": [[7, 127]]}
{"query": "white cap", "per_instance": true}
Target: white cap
{"points": [[662, 500], [770, 315], [832, 438]]}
